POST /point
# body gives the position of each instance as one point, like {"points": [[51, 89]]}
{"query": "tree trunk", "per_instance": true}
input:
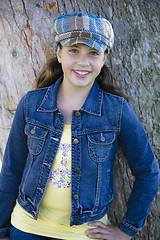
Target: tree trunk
{"points": [[26, 44]]}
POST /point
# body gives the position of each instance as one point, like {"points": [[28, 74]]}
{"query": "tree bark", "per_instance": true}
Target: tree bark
{"points": [[26, 43]]}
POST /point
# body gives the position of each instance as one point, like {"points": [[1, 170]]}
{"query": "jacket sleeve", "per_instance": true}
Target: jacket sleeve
{"points": [[12, 168], [143, 164]]}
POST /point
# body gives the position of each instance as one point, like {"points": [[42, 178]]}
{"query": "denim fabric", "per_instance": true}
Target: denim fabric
{"points": [[96, 128], [16, 234]]}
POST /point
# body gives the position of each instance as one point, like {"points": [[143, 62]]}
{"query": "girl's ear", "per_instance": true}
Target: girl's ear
{"points": [[105, 57], [59, 54]]}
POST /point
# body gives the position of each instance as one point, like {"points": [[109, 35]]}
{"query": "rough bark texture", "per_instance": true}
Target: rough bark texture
{"points": [[26, 43]]}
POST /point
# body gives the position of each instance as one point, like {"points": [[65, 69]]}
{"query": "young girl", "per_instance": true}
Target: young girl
{"points": [[56, 180]]}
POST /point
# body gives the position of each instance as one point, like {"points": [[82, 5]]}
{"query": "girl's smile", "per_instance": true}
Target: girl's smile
{"points": [[81, 73]]}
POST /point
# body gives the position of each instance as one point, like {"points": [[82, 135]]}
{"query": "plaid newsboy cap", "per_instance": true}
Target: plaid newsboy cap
{"points": [[94, 31]]}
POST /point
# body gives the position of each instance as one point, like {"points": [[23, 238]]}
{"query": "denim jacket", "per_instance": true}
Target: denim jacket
{"points": [[96, 128]]}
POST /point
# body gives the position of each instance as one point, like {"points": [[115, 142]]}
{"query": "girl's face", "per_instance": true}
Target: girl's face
{"points": [[80, 64]]}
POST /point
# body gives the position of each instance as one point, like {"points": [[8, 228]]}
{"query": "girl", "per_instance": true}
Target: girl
{"points": [[57, 173]]}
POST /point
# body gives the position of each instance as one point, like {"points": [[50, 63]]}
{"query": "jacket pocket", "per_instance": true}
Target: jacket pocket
{"points": [[99, 145], [36, 138]]}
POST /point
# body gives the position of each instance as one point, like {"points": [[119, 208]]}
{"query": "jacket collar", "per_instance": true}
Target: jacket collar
{"points": [[49, 102], [92, 105]]}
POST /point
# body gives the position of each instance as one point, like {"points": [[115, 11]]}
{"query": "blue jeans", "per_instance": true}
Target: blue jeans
{"points": [[16, 234]]}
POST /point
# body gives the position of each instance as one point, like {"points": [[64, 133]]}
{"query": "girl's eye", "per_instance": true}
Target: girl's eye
{"points": [[73, 50], [94, 53]]}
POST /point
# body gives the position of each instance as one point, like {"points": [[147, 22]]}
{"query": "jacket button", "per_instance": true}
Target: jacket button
{"points": [[77, 114], [38, 188], [33, 130], [75, 196], [76, 170], [47, 164], [76, 222], [75, 141], [34, 213]]}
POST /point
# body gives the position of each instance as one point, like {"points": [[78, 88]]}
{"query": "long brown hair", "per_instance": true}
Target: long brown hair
{"points": [[52, 71]]}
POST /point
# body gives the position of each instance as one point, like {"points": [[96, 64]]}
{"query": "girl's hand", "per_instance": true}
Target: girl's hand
{"points": [[108, 232]]}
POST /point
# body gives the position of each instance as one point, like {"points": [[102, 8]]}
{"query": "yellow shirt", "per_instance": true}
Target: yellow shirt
{"points": [[55, 208]]}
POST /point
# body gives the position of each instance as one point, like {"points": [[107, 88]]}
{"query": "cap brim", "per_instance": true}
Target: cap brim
{"points": [[98, 46]]}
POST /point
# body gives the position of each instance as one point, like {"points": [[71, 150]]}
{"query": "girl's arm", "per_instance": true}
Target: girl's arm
{"points": [[12, 168], [143, 164]]}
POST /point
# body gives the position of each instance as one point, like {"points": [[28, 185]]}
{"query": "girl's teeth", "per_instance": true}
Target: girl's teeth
{"points": [[81, 73]]}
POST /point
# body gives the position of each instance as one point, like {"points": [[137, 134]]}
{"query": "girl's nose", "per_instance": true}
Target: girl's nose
{"points": [[83, 60]]}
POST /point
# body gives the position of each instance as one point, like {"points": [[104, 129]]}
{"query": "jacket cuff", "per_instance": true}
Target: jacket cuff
{"points": [[128, 228], [5, 232]]}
